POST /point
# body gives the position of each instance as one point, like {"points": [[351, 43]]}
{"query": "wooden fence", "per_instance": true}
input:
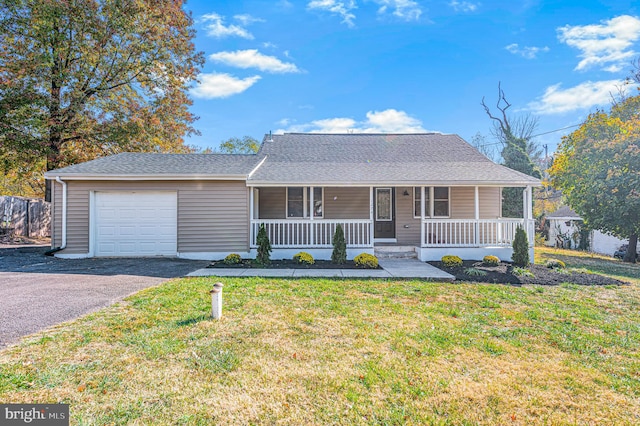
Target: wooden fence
{"points": [[25, 217]]}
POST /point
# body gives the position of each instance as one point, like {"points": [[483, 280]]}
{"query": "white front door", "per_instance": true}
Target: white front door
{"points": [[141, 223]]}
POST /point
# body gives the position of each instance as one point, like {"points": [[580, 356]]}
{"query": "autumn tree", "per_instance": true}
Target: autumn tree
{"points": [[598, 169], [246, 145], [85, 78], [515, 134]]}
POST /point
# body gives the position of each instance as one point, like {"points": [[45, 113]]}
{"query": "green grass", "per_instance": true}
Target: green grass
{"points": [[345, 352]]}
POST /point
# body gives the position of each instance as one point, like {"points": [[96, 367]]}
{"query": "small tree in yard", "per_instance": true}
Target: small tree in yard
{"points": [[264, 247], [521, 248], [339, 254]]}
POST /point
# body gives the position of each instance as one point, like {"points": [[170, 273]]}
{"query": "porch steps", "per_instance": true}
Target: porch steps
{"points": [[395, 252]]}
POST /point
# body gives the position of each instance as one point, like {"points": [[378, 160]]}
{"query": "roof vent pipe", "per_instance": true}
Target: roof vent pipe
{"points": [[270, 137]]}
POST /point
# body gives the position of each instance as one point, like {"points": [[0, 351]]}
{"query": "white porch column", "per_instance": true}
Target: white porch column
{"points": [[477, 215], [371, 215], [251, 215], [529, 214], [422, 206], [312, 213]]}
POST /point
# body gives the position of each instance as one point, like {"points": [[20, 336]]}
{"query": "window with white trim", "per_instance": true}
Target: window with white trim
{"points": [[299, 199], [440, 205]]}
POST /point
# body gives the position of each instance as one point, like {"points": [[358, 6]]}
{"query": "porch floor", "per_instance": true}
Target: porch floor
{"points": [[391, 268]]}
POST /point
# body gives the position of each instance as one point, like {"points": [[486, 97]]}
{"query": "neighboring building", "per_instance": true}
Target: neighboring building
{"points": [[564, 231], [564, 228], [431, 192]]}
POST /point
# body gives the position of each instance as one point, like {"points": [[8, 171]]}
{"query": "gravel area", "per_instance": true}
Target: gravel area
{"points": [[40, 291]]}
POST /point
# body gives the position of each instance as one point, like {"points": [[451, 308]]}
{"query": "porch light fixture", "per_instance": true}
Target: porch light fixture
{"points": [[405, 193]]}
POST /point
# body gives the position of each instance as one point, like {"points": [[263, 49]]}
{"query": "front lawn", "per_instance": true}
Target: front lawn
{"points": [[322, 351]]}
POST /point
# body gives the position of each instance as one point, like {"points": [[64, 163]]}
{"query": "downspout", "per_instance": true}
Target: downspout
{"points": [[63, 245]]}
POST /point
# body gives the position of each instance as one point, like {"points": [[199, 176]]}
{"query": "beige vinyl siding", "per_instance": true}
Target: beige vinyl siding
{"points": [[463, 202], [490, 201], [272, 203], [404, 218], [212, 215], [339, 203], [346, 203], [215, 218], [56, 223]]}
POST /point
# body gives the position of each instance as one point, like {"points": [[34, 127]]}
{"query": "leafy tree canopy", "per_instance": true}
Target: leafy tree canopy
{"points": [[85, 78], [598, 169], [246, 145]]}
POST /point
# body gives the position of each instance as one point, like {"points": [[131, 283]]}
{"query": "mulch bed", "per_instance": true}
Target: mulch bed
{"points": [[541, 275], [286, 264]]}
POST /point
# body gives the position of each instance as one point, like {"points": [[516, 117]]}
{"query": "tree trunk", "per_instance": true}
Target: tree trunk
{"points": [[632, 249]]}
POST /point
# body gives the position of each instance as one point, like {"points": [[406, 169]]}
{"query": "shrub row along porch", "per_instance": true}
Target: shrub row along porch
{"points": [[428, 218]]}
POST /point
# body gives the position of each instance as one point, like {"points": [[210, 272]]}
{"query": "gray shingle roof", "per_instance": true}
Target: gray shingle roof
{"points": [[319, 159], [151, 164], [302, 158], [563, 212]]}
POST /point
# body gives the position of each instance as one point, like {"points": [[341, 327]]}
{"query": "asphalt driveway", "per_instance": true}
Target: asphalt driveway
{"points": [[38, 291]]}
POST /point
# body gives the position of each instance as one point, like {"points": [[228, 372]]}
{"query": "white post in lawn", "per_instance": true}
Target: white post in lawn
{"points": [[216, 301], [422, 206], [477, 215]]}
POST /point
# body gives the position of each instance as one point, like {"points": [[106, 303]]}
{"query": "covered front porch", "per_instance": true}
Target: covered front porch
{"points": [[433, 220]]}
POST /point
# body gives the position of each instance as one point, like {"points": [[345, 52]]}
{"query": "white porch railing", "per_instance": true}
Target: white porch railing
{"points": [[301, 233], [473, 233]]}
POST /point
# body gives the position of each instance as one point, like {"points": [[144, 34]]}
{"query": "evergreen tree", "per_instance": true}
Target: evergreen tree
{"points": [[263, 256], [339, 254], [520, 248]]}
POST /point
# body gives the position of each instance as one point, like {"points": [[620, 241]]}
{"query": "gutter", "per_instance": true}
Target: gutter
{"points": [[64, 219]]}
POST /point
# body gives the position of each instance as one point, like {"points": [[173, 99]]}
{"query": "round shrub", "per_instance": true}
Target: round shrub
{"points": [[304, 257], [451, 261], [491, 260], [366, 260], [555, 264], [232, 259]]}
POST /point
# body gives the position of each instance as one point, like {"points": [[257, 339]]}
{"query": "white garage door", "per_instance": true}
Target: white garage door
{"points": [[136, 223]]}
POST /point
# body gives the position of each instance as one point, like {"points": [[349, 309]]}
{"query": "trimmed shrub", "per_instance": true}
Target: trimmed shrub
{"points": [[451, 261], [264, 246], [232, 259], [304, 257], [475, 272], [366, 260], [491, 260], [555, 264], [339, 254], [521, 272], [520, 248]]}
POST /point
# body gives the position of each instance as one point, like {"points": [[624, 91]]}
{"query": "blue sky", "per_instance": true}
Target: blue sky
{"points": [[406, 65]]}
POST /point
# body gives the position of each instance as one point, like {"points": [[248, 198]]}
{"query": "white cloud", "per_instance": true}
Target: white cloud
{"points": [[220, 85], [247, 19], [407, 10], [607, 43], [387, 121], [583, 96], [336, 7], [529, 52], [216, 27], [464, 6], [251, 58]]}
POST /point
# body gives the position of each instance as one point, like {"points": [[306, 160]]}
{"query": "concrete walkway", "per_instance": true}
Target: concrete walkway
{"points": [[391, 268]]}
